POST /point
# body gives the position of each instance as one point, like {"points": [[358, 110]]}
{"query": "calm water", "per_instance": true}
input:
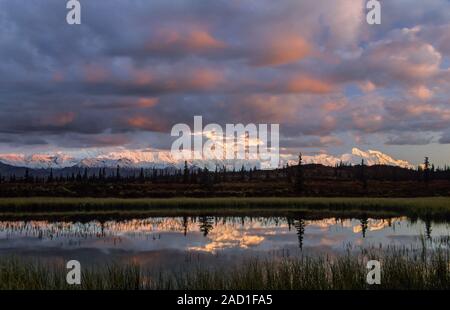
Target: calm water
{"points": [[174, 241]]}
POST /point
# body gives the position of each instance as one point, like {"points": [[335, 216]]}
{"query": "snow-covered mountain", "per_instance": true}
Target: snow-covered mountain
{"points": [[164, 159], [39, 161], [370, 157]]}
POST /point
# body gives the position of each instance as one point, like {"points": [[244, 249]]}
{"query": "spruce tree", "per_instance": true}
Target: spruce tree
{"points": [[186, 172], [299, 177], [363, 177], [141, 175], [426, 170], [50, 177], [118, 172], [300, 227], [27, 175]]}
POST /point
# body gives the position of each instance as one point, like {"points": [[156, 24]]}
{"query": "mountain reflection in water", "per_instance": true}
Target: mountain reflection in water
{"points": [[166, 238]]}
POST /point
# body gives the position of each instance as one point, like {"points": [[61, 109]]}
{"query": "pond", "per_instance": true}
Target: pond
{"points": [[171, 242]]}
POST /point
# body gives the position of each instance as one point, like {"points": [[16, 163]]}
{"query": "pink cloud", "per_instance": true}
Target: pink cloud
{"points": [[204, 78], [406, 60], [281, 49], [303, 84], [147, 102], [142, 77], [191, 39], [421, 92], [334, 106], [94, 73], [58, 119]]}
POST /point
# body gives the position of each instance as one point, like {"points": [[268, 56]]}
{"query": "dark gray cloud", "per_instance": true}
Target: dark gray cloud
{"points": [[409, 139], [445, 138]]}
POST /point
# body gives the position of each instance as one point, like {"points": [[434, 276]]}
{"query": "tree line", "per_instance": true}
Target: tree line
{"points": [[297, 174]]}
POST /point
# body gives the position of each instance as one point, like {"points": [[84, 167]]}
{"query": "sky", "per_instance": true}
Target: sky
{"points": [[135, 68]]}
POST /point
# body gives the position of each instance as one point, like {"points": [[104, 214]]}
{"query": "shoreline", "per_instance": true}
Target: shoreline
{"points": [[431, 208]]}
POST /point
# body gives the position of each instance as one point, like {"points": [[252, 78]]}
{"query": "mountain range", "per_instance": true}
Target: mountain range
{"points": [[163, 159], [370, 157]]}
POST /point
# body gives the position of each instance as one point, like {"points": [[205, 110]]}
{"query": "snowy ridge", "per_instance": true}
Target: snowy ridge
{"points": [[370, 158], [163, 159]]}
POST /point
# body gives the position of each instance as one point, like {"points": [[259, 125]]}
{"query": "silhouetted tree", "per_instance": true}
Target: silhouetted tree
{"points": [[206, 179], [290, 222], [299, 225], [224, 174], [363, 177], [186, 172], [142, 175], [216, 175], [205, 225], [364, 225], [27, 175], [185, 225], [242, 172], [118, 172], [428, 229], [299, 178], [79, 176], [193, 176], [426, 170], [50, 177]]}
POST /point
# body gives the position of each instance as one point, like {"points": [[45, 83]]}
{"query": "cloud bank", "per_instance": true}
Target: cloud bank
{"points": [[132, 70]]}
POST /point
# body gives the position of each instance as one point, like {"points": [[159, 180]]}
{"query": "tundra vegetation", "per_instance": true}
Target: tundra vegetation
{"points": [[402, 268]]}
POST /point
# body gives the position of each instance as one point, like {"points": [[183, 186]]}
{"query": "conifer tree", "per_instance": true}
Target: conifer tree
{"points": [[363, 177], [118, 172], [141, 175], [299, 178], [50, 177], [426, 170], [186, 172], [300, 227], [27, 175]]}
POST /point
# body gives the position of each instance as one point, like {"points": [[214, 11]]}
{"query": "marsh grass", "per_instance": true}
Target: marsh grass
{"points": [[401, 270], [431, 208]]}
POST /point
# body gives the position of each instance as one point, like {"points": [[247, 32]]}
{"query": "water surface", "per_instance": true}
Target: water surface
{"points": [[174, 241]]}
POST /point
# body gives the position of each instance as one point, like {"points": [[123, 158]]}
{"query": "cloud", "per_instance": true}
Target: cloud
{"points": [[94, 140], [94, 73], [304, 84], [310, 142], [445, 138], [147, 102], [280, 50], [393, 61], [145, 123], [421, 92], [367, 86], [138, 68], [409, 139], [183, 41]]}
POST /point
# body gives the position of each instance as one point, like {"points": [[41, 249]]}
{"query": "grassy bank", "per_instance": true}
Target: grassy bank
{"points": [[346, 272], [430, 208]]}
